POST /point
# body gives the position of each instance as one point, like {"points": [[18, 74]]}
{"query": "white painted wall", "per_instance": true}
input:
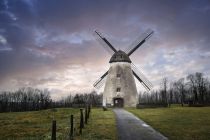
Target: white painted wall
{"points": [[126, 82]]}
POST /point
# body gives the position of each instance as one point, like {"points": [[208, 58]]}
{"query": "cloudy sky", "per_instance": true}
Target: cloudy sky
{"points": [[50, 43]]}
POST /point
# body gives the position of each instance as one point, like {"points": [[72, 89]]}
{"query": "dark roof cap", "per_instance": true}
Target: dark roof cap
{"points": [[120, 56]]}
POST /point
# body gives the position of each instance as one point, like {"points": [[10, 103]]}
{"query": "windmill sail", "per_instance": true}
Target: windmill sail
{"points": [[120, 88], [99, 83], [140, 40], [105, 43], [142, 79]]}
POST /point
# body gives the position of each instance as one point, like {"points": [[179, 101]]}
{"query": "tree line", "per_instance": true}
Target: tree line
{"points": [[80, 100], [31, 99], [194, 89]]}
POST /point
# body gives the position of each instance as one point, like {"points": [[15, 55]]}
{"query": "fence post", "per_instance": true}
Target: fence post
{"points": [[81, 120], [89, 109], [86, 114], [72, 127], [53, 130]]}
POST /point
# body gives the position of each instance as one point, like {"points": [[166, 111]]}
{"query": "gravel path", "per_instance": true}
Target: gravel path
{"points": [[130, 127]]}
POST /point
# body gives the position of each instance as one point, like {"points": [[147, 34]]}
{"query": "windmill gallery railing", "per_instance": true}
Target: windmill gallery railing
{"points": [[77, 123]]}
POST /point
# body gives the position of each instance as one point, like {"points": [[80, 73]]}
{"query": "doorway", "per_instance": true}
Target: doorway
{"points": [[118, 102]]}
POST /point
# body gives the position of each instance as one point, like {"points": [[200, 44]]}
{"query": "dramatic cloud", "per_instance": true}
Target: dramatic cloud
{"points": [[50, 43]]}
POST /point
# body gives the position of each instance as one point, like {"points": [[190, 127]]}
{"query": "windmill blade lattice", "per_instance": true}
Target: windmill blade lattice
{"points": [[105, 43], [99, 83], [142, 76], [139, 41], [140, 80], [138, 73]]}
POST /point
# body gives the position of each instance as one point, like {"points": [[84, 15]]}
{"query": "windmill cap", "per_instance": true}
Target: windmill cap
{"points": [[120, 56]]}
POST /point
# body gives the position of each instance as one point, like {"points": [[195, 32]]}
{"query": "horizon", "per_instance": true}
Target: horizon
{"points": [[50, 44]]}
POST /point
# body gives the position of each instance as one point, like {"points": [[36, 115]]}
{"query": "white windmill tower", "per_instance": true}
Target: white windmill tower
{"points": [[120, 87]]}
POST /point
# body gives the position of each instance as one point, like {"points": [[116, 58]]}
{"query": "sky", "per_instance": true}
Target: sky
{"points": [[51, 44]]}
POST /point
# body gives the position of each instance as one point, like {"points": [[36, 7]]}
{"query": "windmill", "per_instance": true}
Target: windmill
{"points": [[120, 87]]}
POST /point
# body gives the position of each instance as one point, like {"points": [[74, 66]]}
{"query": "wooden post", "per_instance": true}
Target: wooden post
{"points": [[81, 120], [89, 109], [86, 114], [71, 127], [53, 130]]}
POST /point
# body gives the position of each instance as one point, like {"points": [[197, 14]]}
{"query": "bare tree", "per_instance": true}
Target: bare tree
{"points": [[180, 87], [170, 95], [198, 86], [164, 90]]}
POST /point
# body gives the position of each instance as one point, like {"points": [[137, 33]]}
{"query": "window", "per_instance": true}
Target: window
{"points": [[118, 75], [118, 89]]}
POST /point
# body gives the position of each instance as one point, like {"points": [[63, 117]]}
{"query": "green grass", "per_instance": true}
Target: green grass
{"points": [[101, 126], [178, 123], [36, 125]]}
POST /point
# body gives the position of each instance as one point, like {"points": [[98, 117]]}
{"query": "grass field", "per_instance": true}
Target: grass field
{"points": [[102, 126], [37, 125], [34, 124], [178, 123]]}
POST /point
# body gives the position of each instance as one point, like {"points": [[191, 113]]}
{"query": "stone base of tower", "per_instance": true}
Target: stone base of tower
{"points": [[119, 102]]}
